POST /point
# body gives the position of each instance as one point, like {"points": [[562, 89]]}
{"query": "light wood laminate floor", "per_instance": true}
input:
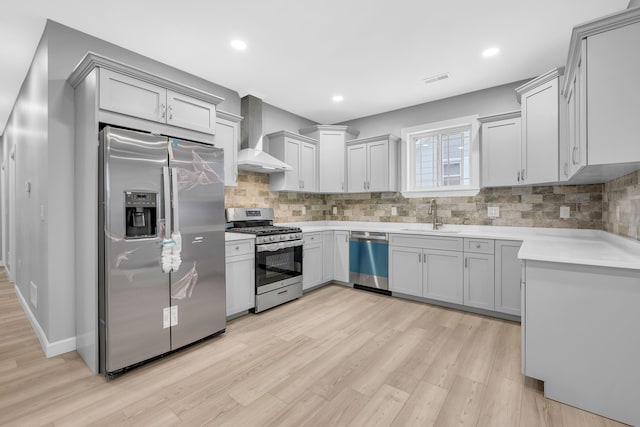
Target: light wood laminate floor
{"points": [[336, 357]]}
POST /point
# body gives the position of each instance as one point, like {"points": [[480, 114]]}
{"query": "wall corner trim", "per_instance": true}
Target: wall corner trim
{"points": [[50, 349]]}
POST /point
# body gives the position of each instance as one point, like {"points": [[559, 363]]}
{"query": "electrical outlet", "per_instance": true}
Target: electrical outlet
{"points": [[335, 210], [33, 295], [565, 212], [493, 211], [394, 211], [304, 210]]}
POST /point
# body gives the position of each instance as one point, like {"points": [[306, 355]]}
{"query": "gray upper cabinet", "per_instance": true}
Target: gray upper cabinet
{"points": [[190, 113], [602, 93], [228, 137], [126, 95], [542, 114], [299, 152], [331, 155], [501, 149], [372, 164], [132, 94]]}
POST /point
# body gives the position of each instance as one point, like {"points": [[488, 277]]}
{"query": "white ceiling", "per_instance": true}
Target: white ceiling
{"points": [[374, 52]]}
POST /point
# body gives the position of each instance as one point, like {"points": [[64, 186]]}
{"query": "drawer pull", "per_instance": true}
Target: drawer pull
{"points": [[283, 292], [478, 245]]}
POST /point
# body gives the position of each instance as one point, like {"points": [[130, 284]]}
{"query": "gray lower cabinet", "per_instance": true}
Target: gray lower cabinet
{"points": [[312, 264], [327, 256], [442, 275], [479, 280], [341, 256], [405, 270], [479, 273], [507, 277], [428, 273], [240, 276]]}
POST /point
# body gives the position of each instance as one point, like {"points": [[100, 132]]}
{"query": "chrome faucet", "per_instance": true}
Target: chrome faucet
{"points": [[433, 211]]}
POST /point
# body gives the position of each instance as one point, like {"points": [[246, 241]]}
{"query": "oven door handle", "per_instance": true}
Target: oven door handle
{"points": [[273, 247]]}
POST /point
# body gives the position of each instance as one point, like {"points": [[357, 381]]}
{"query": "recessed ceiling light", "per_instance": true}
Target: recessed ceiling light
{"points": [[492, 51], [337, 98], [238, 44]]}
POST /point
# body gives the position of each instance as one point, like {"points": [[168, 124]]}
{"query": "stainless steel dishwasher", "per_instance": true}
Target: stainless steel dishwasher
{"points": [[369, 261]]}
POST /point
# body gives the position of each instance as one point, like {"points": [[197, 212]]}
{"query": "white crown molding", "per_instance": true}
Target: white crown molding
{"points": [[92, 60], [388, 137], [228, 116], [500, 116], [289, 134], [540, 80], [335, 128], [591, 28]]}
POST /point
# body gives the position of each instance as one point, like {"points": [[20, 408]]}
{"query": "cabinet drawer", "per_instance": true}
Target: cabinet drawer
{"points": [[312, 238], [427, 242], [480, 246], [240, 247]]}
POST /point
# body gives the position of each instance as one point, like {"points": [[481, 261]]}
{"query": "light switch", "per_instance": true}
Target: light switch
{"points": [[335, 210], [304, 210], [394, 211], [493, 211], [565, 212]]}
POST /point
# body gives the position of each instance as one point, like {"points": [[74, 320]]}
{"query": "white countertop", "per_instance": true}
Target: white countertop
{"points": [[231, 237], [562, 245]]}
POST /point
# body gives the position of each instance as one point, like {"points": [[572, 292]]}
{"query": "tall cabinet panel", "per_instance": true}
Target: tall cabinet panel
{"points": [[327, 256], [228, 137], [341, 256], [331, 155]]}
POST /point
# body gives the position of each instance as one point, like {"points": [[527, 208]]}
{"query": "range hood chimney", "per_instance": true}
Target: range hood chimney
{"points": [[251, 156]]}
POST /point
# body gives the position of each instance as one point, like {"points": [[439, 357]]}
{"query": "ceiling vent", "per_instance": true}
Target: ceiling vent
{"points": [[436, 78]]}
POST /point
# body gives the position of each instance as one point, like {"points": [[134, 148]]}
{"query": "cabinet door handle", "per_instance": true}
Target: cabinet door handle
{"points": [[170, 112], [573, 155], [518, 176], [466, 262], [162, 110], [419, 258], [566, 169], [522, 175]]}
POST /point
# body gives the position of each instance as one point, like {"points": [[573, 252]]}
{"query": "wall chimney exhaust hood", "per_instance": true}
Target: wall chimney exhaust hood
{"points": [[251, 157]]}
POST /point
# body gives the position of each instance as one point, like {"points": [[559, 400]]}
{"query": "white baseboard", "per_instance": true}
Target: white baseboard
{"points": [[50, 349]]}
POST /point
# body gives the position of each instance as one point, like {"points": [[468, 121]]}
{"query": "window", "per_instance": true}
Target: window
{"points": [[441, 158]]}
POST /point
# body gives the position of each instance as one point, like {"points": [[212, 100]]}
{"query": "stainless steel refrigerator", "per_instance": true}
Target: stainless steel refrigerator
{"points": [[162, 274]]}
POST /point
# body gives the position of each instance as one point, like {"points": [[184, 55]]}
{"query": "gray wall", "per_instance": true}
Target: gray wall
{"points": [[275, 119], [483, 102], [27, 131]]}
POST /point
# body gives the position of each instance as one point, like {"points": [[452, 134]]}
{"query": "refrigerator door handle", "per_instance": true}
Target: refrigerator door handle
{"points": [[174, 199], [166, 178]]}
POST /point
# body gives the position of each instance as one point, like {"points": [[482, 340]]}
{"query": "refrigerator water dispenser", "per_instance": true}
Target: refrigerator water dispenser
{"points": [[140, 214]]}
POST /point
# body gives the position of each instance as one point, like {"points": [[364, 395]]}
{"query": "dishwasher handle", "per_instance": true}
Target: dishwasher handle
{"points": [[369, 235]]}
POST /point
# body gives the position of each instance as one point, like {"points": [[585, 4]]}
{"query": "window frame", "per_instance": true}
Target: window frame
{"points": [[407, 184]]}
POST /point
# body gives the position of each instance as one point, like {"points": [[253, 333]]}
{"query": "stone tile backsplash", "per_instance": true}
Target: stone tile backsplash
{"points": [[519, 206], [621, 207]]}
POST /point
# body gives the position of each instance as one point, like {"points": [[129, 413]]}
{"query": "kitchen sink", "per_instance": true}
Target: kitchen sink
{"points": [[428, 230]]}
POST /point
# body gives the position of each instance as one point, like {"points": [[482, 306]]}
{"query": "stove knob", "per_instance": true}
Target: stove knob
{"points": [[284, 237]]}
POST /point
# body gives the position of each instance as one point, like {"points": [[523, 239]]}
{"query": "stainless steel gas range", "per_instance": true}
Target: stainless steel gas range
{"points": [[278, 255]]}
